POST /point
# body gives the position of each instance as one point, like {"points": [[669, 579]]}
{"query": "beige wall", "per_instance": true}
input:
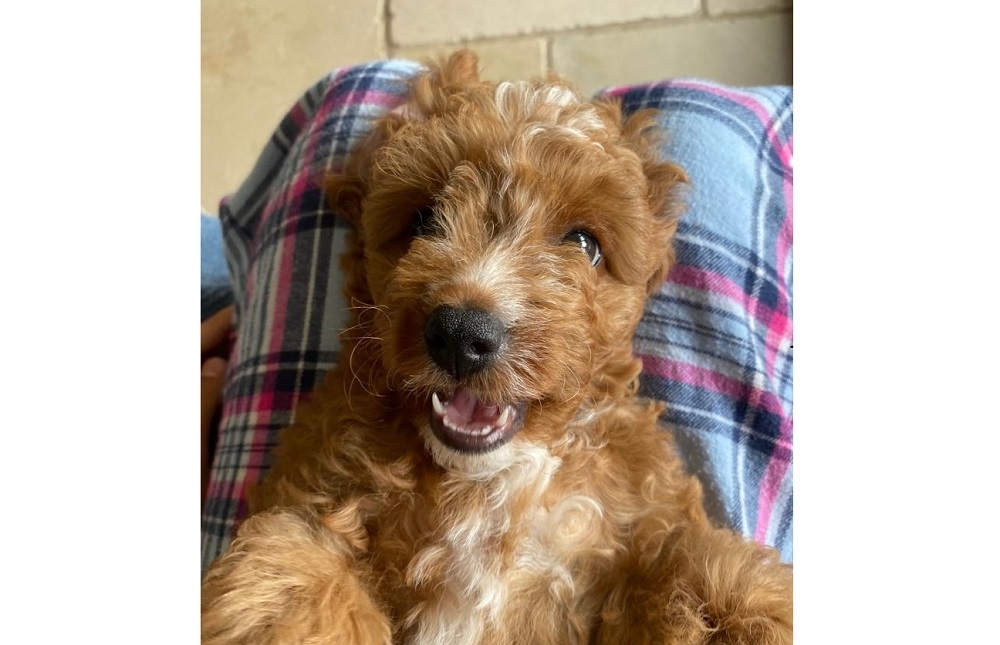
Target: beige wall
{"points": [[259, 55]]}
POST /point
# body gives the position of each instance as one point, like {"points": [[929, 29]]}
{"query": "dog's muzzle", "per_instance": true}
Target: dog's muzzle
{"points": [[463, 341]]}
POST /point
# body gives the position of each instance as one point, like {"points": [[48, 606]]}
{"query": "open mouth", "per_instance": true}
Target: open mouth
{"points": [[466, 423]]}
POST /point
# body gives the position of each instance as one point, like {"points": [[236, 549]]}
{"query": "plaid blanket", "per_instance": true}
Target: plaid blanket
{"points": [[716, 341]]}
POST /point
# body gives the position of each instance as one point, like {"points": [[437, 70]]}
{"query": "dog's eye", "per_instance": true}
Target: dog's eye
{"points": [[424, 221], [587, 243]]}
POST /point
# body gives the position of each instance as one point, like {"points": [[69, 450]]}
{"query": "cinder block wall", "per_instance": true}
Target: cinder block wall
{"points": [[258, 55]]}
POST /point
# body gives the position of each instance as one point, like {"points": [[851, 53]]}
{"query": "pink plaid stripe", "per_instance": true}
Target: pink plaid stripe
{"points": [[735, 389]]}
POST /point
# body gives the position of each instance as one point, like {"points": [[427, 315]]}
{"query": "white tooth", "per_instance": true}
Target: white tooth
{"points": [[504, 416], [438, 407]]}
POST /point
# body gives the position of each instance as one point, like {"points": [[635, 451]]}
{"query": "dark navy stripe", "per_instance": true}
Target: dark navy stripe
{"points": [[690, 249], [765, 425], [661, 323], [303, 223], [760, 335], [739, 119], [701, 351]]}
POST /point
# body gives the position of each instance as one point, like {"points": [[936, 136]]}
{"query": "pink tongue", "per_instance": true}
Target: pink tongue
{"points": [[465, 408]]}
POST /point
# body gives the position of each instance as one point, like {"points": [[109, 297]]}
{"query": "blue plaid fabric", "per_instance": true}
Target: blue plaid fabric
{"points": [[715, 341]]}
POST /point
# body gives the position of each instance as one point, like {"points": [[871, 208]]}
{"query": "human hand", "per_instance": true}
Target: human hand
{"points": [[215, 345]]}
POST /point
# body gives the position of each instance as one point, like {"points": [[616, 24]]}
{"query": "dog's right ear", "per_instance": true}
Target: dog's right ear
{"points": [[346, 190], [430, 91], [427, 95]]}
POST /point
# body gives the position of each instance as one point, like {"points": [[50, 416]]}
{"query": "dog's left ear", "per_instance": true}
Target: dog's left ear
{"points": [[665, 182]]}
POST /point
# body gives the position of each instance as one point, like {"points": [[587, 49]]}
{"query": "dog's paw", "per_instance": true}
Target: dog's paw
{"points": [[287, 579]]}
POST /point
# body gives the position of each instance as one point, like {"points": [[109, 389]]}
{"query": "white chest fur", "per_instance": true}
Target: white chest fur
{"points": [[464, 568]]}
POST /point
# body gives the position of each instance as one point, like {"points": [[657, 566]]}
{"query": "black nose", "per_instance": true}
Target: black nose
{"points": [[462, 340]]}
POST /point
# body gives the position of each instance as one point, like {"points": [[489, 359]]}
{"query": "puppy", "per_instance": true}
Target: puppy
{"points": [[479, 468]]}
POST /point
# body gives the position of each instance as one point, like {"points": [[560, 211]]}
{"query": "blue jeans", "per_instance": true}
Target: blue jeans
{"points": [[216, 292]]}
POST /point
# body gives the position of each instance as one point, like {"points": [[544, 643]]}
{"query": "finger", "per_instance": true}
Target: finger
{"points": [[213, 378], [215, 331]]}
